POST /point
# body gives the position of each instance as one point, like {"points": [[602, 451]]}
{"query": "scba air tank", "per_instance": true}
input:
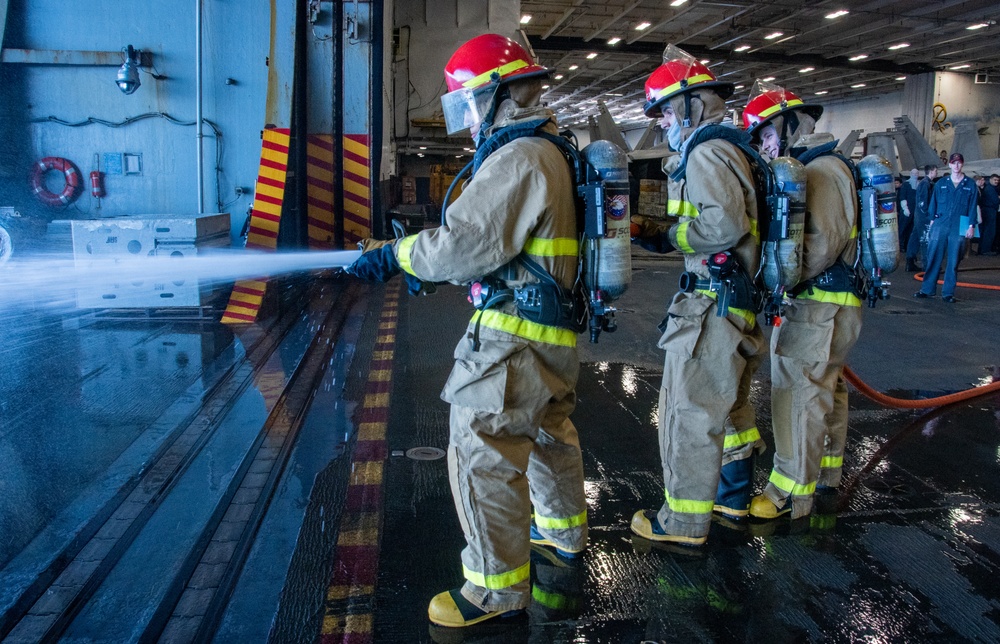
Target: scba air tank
{"points": [[782, 250], [607, 255], [878, 228]]}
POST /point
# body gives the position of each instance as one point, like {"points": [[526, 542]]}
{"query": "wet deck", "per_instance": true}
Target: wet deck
{"points": [[165, 480]]}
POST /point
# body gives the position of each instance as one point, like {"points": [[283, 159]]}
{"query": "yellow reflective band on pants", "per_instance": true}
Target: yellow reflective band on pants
{"points": [[832, 461], [682, 237], [681, 208], [403, 253], [556, 601], [524, 328], [500, 581], [550, 523], [749, 316], [742, 438], [845, 298], [789, 486], [558, 247], [689, 506]]}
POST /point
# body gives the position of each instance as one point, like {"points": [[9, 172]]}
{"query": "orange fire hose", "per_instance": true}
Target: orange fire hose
{"points": [[927, 403]]}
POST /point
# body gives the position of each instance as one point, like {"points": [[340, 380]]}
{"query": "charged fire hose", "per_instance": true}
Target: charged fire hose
{"points": [[927, 403]]}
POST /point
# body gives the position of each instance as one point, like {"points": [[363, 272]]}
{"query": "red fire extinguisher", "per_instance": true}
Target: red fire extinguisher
{"points": [[97, 184]]}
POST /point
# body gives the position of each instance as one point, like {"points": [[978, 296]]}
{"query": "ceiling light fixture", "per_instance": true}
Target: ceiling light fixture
{"points": [[901, 78], [978, 26], [704, 61], [735, 87], [858, 57], [614, 41], [857, 86], [821, 92], [902, 45], [677, 3], [837, 14], [525, 19], [742, 48], [642, 25], [807, 69], [772, 36], [960, 67], [768, 79], [423, 147], [592, 55]]}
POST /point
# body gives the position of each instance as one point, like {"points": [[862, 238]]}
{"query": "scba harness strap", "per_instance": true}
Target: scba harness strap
{"points": [[545, 302]]}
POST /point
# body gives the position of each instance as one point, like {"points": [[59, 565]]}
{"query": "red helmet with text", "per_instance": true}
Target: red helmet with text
{"points": [[679, 72], [475, 71], [768, 100]]}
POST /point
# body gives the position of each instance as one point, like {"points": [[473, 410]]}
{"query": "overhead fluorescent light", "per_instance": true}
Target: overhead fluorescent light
{"points": [[960, 67], [642, 25], [901, 78], [545, 86], [592, 55], [768, 79], [807, 69], [837, 14], [573, 68], [858, 57], [557, 77], [978, 26], [423, 147], [677, 3], [420, 155], [772, 36], [902, 45], [742, 48], [735, 87], [525, 19], [821, 92], [704, 61], [857, 86], [614, 41]]}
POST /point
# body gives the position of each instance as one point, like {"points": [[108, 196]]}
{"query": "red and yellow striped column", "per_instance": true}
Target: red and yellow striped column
{"points": [[272, 173], [348, 617], [357, 189], [319, 191]]}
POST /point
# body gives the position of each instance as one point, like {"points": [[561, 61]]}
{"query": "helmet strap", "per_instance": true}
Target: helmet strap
{"points": [[686, 121], [789, 124], [500, 94]]}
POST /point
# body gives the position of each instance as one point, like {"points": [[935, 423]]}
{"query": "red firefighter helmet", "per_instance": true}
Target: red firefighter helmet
{"points": [[679, 72], [474, 63], [768, 100]]}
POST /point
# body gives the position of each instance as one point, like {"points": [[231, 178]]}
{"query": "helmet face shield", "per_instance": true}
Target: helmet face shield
{"points": [[465, 108]]}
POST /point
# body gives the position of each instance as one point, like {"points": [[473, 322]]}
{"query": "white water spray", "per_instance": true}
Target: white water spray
{"points": [[54, 282]]}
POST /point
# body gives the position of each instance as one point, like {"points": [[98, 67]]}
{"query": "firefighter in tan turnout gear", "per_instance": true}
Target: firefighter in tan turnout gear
{"points": [[512, 446], [710, 337], [822, 322]]}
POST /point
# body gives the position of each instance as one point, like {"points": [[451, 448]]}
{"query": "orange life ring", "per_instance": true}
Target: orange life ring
{"points": [[70, 172]]}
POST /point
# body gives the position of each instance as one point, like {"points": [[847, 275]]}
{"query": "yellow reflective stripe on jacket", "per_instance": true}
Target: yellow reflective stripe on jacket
{"points": [[832, 461], [776, 108], [829, 297], [682, 237], [550, 523], [681, 208], [747, 315], [497, 582], [403, 253], [558, 247], [854, 231], [525, 328], [789, 486], [754, 229], [689, 506], [503, 70], [691, 82], [745, 437]]}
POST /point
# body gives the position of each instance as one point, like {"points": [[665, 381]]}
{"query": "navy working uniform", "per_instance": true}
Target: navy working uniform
{"points": [[948, 204]]}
